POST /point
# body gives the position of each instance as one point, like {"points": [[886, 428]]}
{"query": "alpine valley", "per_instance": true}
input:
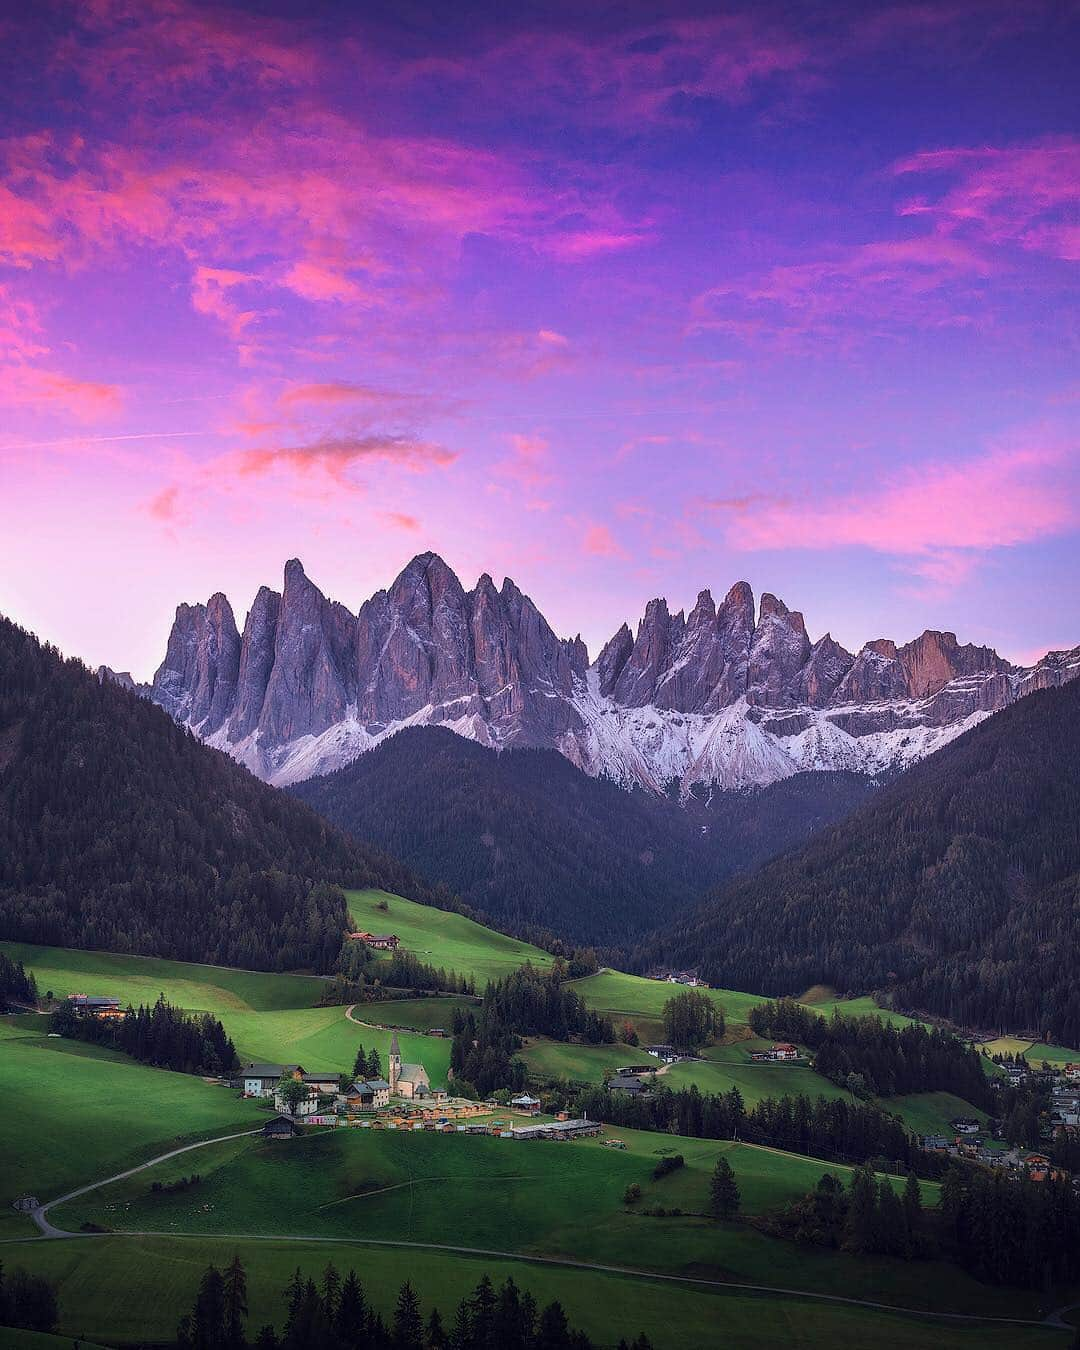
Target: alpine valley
{"points": [[729, 696]]}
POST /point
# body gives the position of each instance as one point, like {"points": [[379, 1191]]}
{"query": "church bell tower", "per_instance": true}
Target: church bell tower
{"points": [[394, 1063]]}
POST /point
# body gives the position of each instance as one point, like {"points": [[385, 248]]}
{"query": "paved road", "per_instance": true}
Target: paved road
{"points": [[1053, 1319], [40, 1214]]}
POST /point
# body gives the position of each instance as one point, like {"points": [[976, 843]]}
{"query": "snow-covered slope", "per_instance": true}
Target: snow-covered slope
{"points": [[722, 699]]}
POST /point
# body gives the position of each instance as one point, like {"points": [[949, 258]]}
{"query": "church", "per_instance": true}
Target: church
{"points": [[406, 1080]]}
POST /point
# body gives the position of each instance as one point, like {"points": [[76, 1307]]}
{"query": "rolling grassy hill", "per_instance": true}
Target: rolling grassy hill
{"points": [[440, 937], [77, 1111]]}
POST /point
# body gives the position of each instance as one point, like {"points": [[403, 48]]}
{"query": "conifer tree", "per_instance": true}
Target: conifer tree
{"points": [[408, 1333], [724, 1199], [236, 1307]]}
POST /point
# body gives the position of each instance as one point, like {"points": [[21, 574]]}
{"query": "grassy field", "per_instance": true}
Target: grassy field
{"points": [[722, 1070], [930, 1112], [139, 979], [135, 1289], [77, 1112], [614, 992], [536, 1199], [440, 938], [421, 1014], [1035, 1052], [579, 1063], [13, 1339], [324, 1039]]}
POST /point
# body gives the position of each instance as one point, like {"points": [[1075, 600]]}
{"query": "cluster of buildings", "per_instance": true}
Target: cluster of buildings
{"points": [[324, 1091], [689, 978]]}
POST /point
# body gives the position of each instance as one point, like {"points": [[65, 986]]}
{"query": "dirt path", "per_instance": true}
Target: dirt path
{"points": [[40, 1214]]}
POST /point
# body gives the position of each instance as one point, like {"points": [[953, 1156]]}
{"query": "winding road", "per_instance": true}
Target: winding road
{"points": [[1053, 1320]]}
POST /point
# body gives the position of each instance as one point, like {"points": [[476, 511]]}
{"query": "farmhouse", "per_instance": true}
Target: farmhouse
{"points": [[325, 1084], [628, 1083], [93, 1005], [370, 1094], [260, 1080], [382, 942], [306, 1106], [964, 1125], [523, 1102], [281, 1127], [1072, 1071], [406, 1080], [667, 1054], [785, 1050]]}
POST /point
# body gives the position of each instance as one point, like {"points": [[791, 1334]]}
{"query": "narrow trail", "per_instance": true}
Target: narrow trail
{"points": [[40, 1213]]}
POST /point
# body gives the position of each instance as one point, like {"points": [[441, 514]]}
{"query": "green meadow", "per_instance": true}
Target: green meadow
{"points": [[930, 1112], [128, 1290], [537, 1199], [324, 1039], [1035, 1052], [140, 979], [77, 1112], [440, 938]]}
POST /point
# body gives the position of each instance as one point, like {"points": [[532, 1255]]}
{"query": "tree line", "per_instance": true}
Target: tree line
{"points": [[527, 1002], [27, 1301], [119, 830], [335, 1314], [835, 1129], [1001, 1231], [162, 1035], [17, 984], [872, 1058], [362, 976]]}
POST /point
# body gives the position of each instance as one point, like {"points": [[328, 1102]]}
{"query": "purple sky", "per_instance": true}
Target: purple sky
{"points": [[616, 304]]}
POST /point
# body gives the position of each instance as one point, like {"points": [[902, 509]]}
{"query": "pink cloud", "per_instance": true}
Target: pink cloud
{"points": [[210, 288], [88, 400], [334, 392], [940, 518], [163, 506], [528, 463], [599, 542], [1024, 195], [400, 521], [336, 455]]}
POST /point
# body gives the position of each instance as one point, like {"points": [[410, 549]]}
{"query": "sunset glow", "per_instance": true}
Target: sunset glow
{"points": [[619, 305]]}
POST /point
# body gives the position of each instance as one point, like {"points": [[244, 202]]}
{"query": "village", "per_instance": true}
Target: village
{"points": [[404, 1099]]}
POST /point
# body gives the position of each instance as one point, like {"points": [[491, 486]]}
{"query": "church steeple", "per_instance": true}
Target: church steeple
{"points": [[394, 1062]]}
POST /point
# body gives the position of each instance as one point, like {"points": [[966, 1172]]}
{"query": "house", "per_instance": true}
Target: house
{"points": [[523, 1102], [784, 1050], [627, 1083], [325, 1084], [382, 942], [406, 1080], [306, 1106], [260, 1080], [631, 1070], [281, 1127], [1072, 1071], [368, 1094], [93, 1005], [964, 1125], [667, 1054], [441, 1032], [935, 1143]]}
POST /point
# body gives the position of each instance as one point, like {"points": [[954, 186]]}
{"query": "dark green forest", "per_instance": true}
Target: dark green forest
{"points": [[524, 837], [957, 888], [119, 830]]}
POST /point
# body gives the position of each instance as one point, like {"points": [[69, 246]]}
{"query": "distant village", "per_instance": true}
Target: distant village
{"points": [[404, 1099]]}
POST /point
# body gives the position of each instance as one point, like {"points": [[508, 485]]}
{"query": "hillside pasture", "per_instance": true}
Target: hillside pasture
{"points": [[440, 937], [140, 979], [78, 1112]]}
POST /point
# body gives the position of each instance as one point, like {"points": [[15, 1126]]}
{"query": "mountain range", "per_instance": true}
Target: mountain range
{"points": [[729, 696]]}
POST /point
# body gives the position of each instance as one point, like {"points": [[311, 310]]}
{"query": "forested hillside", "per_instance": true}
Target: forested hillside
{"points": [[529, 840], [119, 830], [957, 887]]}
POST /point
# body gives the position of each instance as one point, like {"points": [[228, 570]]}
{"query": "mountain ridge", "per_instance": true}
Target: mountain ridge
{"points": [[726, 697]]}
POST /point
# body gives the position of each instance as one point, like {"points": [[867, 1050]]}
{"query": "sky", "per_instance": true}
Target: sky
{"points": [[620, 300]]}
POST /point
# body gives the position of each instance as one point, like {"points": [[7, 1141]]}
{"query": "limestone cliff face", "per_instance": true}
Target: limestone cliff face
{"points": [[730, 695]]}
